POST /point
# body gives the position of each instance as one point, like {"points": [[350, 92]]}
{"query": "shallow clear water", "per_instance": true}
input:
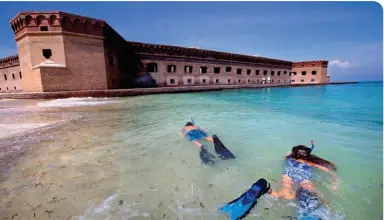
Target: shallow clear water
{"points": [[122, 158]]}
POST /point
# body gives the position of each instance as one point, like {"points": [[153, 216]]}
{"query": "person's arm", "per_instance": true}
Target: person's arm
{"points": [[182, 131], [335, 179]]}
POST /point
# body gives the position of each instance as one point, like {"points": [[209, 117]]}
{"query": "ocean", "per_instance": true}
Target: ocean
{"points": [[123, 158]]}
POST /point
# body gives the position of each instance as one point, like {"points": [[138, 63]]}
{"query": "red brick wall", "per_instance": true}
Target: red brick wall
{"points": [[162, 75], [86, 63], [10, 82]]}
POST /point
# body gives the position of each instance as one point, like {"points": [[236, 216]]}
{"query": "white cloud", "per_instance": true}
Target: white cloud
{"points": [[340, 64]]}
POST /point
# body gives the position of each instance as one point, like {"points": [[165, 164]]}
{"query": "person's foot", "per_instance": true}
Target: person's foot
{"points": [[273, 193]]}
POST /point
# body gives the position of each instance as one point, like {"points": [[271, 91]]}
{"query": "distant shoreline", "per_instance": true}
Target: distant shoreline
{"points": [[148, 91]]}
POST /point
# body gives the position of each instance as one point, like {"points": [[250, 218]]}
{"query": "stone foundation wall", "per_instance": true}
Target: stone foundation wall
{"points": [[144, 91]]}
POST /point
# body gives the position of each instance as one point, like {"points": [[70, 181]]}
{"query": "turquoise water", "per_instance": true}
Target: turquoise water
{"points": [[122, 158]]}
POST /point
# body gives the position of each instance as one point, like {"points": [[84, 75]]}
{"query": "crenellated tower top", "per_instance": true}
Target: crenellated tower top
{"points": [[9, 61], [318, 63], [36, 22]]}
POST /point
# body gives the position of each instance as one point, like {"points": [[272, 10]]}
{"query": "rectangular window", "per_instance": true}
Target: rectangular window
{"points": [[20, 75], [172, 81], [272, 73], [290, 73], [110, 60], [43, 28], [303, 73], [239, 80], [314, 72], [189, 81], [229, 80], [5, 76], [188, 69], [217, 80], [302, 80], [228, 69], [278, 73], [203, 69], [257, 72], [171, 68], [239, 71], [152, 67], [216, 69], [265, 72], [293, 80], [294, 73], [249, 80], [285, 72], [47, 53], [248, 72], [312, 80], [13, 76], [14, 87], [204, 81]]}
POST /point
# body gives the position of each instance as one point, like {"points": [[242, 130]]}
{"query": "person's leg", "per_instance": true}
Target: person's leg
{"points": [[209, 138], [285, 189], [307, 184], [198, 144]]}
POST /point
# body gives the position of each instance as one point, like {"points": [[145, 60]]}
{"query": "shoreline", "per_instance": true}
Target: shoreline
{"points": [[148, 91]]}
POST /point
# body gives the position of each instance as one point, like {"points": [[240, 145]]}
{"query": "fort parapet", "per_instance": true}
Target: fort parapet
{"points": [[59, 51]]}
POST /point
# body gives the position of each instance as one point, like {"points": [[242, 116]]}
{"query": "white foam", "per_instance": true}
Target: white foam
{"points": [[13, 110], [70, 102], [105, 204], [12, 129]]}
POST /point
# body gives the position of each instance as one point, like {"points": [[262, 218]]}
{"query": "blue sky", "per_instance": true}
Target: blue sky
{"points": [[348, 34]]}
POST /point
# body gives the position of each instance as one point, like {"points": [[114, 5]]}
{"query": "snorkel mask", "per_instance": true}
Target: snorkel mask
{"points": [[301, 152], [190, 122]]}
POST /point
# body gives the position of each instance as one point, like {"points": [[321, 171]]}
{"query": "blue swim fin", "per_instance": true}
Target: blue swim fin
{"points": [[221, 150], [205, 156], [240, 207]]}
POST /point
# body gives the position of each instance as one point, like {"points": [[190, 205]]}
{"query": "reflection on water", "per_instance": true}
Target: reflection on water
{"points": [[85, 158]]}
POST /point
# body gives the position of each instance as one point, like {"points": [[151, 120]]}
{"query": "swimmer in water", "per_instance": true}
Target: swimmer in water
{"points": [[298, 170], [195, 133]]}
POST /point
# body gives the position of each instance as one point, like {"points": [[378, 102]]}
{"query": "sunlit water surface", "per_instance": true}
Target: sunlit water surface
{"points": [[122, 158]]}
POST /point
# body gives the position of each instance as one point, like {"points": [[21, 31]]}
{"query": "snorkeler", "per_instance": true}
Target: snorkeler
{"points": [[195, 134], [298, 170]]}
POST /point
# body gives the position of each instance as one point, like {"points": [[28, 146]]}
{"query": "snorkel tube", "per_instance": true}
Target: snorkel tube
{"points": [[313, 145], [193, 122]]}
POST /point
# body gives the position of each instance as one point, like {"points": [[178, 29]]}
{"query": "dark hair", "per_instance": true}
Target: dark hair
{"points": [[188, 123], [310, 157]]}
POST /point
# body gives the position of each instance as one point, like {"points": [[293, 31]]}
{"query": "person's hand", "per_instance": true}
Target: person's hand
{"points": [[335, 184]]}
